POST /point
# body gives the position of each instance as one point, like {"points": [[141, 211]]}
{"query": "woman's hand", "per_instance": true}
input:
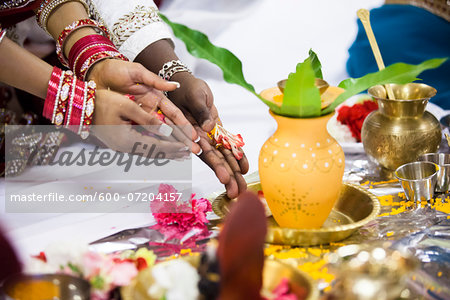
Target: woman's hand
{"points": [[195, 97], [115, 109], [183, 131], [127, 77]]}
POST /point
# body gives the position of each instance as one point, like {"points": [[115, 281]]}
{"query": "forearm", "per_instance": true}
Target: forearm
{"points": [[65, 15], [22, 70], [155, 55]]}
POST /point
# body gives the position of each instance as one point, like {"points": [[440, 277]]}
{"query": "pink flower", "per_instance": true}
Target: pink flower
{"points": [[181, 216], [283, 291], [93, 263], [183, 220], [122, 273]]}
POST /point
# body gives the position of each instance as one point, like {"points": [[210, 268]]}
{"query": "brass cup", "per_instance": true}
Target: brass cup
{"points": [[45, 286], [321, 84], [410, 99], [400, 130], [443, 175], [418, 180]]}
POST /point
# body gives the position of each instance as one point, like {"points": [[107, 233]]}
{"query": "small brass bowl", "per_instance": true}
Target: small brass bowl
{"points": [[355, 208], [418, 180], [274, 271], [45, 286], [443, 175], [321, 84]]}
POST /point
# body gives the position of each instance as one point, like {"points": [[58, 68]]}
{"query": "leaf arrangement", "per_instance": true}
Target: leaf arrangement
{"points": [[301, 97]]}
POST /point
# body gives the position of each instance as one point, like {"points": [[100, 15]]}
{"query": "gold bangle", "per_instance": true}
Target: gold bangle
{"points": [[47, 8]]}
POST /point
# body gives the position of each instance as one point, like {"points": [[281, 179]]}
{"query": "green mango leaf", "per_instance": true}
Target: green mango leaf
{"points": [[316, 65], [399, 73], [199, 45], [301, 97]]}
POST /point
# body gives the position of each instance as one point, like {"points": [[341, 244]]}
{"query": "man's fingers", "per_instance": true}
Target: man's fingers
{"points": [[237, 172], [231, 160], [232, 189], [210, 157], [241, 183], [243, 164]]}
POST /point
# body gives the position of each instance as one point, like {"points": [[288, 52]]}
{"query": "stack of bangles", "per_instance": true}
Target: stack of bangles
{"points": [[2, 33], [88, 50], [70, 102]]}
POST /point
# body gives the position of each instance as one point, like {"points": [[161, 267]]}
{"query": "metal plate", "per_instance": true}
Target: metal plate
{"points": [[355, 208]]}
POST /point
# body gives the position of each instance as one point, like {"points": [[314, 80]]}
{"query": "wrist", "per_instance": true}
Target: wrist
{"points": [[155, 55], [182, 77], [95, 71]]}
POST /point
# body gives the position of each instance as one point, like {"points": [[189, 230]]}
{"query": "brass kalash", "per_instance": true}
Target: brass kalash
{"points": [[400, 130]]}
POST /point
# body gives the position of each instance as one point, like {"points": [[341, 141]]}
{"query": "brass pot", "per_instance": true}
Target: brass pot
{"points": [[400, 130]]}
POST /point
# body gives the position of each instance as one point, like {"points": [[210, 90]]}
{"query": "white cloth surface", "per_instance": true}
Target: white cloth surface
{"points": [[270, 38]]}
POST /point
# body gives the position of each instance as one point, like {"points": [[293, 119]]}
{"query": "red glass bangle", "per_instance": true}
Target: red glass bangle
{"points": [[96, 57], [64, 95], [81, 62], [88, 110], [52, 92], [68, 112], [69, 30], [85, 43], [88, 40], [73, 116]]}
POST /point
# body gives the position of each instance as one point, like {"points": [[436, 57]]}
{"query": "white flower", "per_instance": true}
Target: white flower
{"points": [[176, 279], [339, 131], [62, 253], [38, 266]]}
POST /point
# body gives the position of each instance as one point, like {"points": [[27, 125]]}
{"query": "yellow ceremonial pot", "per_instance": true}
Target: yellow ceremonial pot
{"points": [[301, 168]]}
